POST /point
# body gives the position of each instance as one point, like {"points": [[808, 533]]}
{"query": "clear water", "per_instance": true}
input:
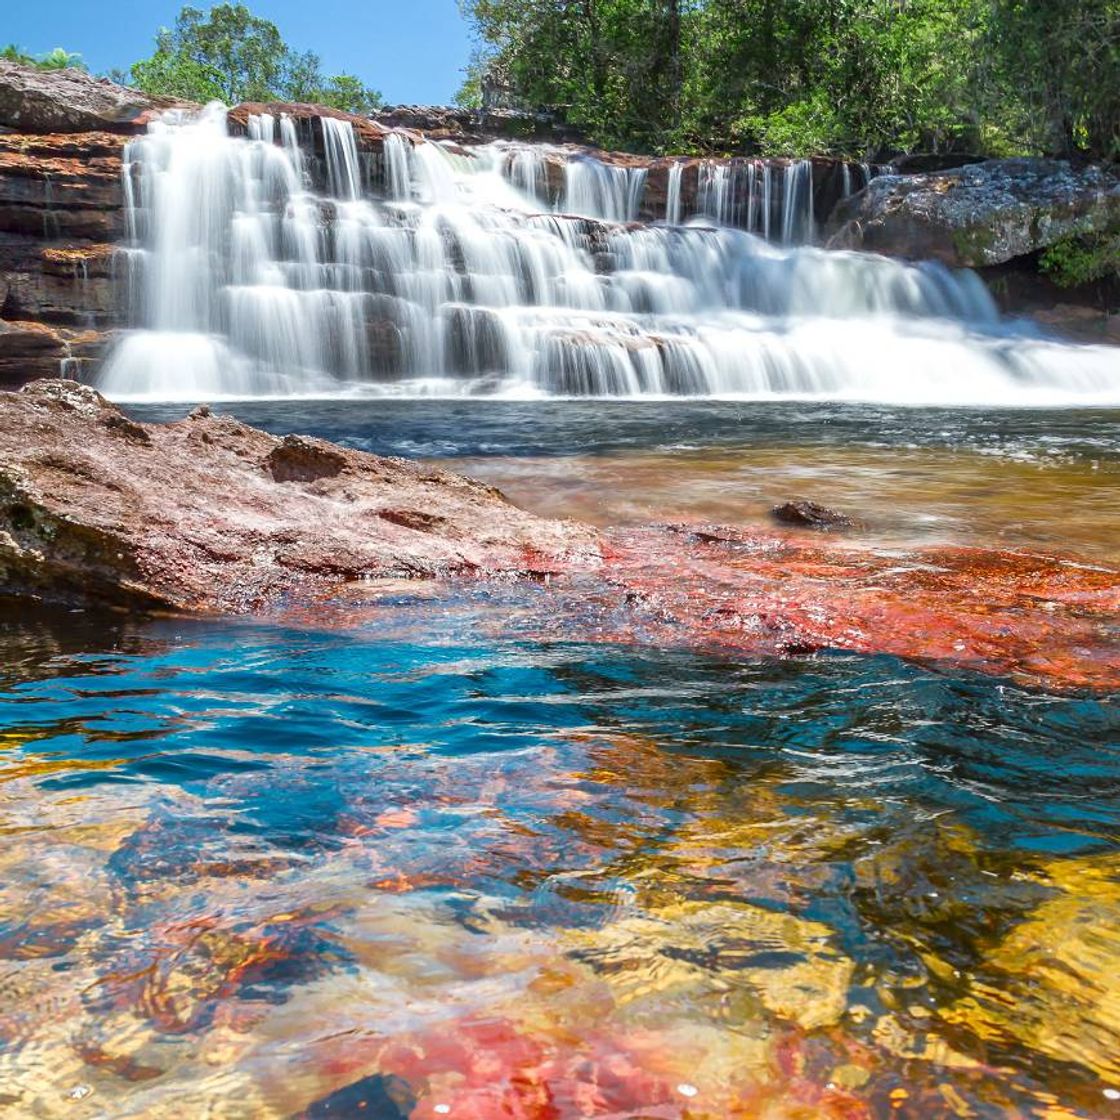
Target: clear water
{"points": [[441, 853], [436, 865]]}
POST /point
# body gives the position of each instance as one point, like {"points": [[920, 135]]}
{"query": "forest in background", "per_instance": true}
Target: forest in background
{"points": [[858, 78]]}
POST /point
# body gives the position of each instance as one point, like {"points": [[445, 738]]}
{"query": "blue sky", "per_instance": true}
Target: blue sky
{"points": [[412, 51]]}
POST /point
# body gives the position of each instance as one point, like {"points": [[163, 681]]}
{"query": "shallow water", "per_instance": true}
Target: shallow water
{"points": [[509, 873], [1021, 478], [446, 861]]}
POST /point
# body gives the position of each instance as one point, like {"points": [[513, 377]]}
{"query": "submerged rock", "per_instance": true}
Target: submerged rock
{"points": [[1036, 619], [210, 514], [984, 214], [810, 515]]}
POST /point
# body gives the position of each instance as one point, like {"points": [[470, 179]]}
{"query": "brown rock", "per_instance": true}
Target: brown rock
{"points": [[210, 514], [369, 134], [34, 100], [810, 515], [30, 349]]}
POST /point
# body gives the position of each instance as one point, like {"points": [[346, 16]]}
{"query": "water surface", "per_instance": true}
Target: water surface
{"points": [[466, 873], [438, 853]]}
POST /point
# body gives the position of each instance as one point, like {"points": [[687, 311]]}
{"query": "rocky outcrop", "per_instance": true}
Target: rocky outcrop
{"points": [[30, 350], [61, 209], [307, 118], [210, 514], [34, 100], [476, 126], [980, 215]]}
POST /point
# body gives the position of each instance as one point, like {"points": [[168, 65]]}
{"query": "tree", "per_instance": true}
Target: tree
{"points": [[58, 59], [797, 77], [230, 55]]}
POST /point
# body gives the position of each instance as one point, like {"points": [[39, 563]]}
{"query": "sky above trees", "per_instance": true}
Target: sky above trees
{"points": [[411, 52]]}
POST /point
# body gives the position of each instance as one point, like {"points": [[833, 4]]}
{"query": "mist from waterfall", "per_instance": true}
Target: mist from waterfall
{"points": [[262, 265]]}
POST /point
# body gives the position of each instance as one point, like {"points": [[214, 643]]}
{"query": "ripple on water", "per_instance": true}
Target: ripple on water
{"points": [[425, 864]]}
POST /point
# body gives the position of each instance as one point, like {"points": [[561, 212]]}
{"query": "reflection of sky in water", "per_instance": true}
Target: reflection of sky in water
{"points": [[243, 845]]}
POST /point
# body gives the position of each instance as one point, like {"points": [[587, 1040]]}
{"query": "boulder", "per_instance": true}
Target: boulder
{"points": [[209, 514], [981, 215], [34, 100]]}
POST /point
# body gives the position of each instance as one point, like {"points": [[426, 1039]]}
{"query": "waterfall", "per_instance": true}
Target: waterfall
{"points": [[600, 190], [398, 181], [342, 154], [673, 194], [797, 203], [295, 261]]}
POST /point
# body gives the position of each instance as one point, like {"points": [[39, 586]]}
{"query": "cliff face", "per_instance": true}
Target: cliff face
{"points": [[60, 212], [61, 206]]}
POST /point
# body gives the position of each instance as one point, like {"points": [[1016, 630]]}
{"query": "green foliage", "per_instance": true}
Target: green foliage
{"points": [[1083, 260], [469, 94], [789, 77], [345, 91], [58, 59], [1056, 73], [230, 55]]}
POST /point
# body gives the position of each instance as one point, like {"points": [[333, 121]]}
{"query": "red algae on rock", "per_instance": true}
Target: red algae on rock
{"points": [[1038, 619]]}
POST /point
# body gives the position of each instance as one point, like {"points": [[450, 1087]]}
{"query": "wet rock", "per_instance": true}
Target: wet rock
{"points": [[210, 514], [35, 100], [61, 206], [29, 350], [307, 118], [810, 515], [983, 214], [372, 1098]]}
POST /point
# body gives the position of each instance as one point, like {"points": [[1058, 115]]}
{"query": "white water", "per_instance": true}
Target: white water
{"points": [[434, 272]]}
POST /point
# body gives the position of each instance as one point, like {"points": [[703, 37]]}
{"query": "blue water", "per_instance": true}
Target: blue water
{"points": [[478, 428]]}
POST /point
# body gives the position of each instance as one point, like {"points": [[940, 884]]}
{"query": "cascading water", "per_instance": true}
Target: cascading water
{"points": [[434, 270]]}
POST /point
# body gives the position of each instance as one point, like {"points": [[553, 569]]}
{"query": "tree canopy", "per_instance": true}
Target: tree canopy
{"points": [[790, 77], [228, 54]]}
